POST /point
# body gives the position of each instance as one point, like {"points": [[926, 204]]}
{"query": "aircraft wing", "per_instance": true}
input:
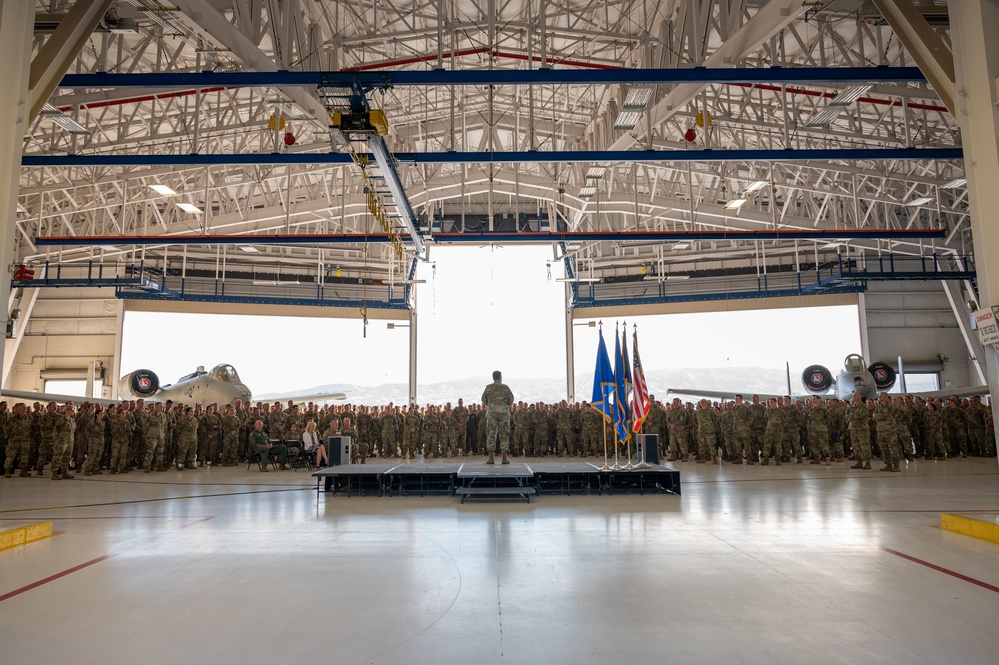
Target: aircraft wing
{"points": [[314, 396], [946, 394], [29, 396], [720, 394]]}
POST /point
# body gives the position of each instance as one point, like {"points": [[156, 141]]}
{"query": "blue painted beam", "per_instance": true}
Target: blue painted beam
{"points": [[464, 77], [527, 237], [711, 297], [521, 157], [254, 300]]}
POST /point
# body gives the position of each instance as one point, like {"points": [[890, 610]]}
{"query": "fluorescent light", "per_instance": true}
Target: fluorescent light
{"points": [[590, 280], [63, 120], [850, 95], [587, 192], [673, 278], [189, 207], [757, 185], [955, 183], [680, 245], [921, 201], [627, 119], [162, 190], [249, 249], [596, 172], [735, 204], [638, 97], [824, 117]]}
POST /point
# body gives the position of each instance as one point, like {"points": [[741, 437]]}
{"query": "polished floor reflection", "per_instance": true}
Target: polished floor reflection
{"points": [[751, 565]]}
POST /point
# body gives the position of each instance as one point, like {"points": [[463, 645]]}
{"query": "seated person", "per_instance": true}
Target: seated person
{"points": [[259, 443], [313, 445]]}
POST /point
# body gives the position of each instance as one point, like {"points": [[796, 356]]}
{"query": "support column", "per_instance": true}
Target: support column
{"points": [[570, 364], [976, 64], [17, 25], [412, 354], [26, 305], [963, 316], [119, 326], [865, 342]]}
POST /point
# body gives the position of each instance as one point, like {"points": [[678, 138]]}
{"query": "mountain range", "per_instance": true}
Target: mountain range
{"points": [[553, 390]]}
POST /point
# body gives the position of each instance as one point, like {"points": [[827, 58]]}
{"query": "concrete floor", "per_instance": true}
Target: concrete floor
{"points": [[796, 564]]}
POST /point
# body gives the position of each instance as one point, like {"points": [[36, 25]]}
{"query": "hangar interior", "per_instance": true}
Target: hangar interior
{"points": [[303, 156]]}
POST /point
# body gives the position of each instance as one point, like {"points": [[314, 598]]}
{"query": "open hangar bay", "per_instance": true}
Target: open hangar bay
{"points": [[677, 155]]}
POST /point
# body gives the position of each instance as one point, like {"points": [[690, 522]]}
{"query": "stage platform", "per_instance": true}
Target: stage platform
{"points": [[479, 480]]}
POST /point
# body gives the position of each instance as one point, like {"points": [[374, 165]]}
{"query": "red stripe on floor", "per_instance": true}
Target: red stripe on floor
{"points": [[945, 571], [87, 564]]}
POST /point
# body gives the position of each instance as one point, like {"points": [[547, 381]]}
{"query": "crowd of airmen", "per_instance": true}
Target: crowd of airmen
{"points": [[133, 435]]}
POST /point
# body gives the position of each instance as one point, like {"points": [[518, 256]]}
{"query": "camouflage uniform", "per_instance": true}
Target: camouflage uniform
{"points": [[497, 398], [48, 421], [121, 435], [62, 445], [187, 441], [886, 423], [563, 430], [707, 425], [459, 431], [389, 435], [933, 423], [676, 420], [590, 431], [230, 426], [95, 445], [741, 427], [412, 426], [818, 431], [539, 427], [17, 431], [773, 436], [858, 417], [521, 431], [976, 428], [956, 428], [792, 431], [155, 424]]}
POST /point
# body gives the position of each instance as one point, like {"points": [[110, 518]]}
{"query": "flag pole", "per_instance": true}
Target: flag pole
{"points": [[642, 463], [617, 398], [627, 408], [603, 421]]}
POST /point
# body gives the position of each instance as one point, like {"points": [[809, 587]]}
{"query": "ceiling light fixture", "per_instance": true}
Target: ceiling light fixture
{"points": [[163, 190], [735, 204], [921, 201], [680, 245], [589, 280], [63, 120], [189, 207], [587, 192], [756, 186], [249, 249], [596, 172], [955, 183]]}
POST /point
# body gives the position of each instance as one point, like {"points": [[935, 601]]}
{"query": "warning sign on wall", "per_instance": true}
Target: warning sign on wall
{"points": [[988, 329]]}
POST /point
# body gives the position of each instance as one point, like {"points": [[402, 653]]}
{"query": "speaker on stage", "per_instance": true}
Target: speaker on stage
{"points": [[648, 448], [338, 448]]}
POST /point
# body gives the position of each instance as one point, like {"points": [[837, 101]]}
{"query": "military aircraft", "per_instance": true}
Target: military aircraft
{"points": [[855, 376], [221, 385]]}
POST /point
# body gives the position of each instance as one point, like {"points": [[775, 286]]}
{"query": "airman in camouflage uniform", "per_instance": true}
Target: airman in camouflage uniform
{"points": [[934, 425], [792, 427], [706, 421], [976, 426], [17, 431], [187, 439], [740, 427], [521, 425], [229, 426], [858, 418], [497, 398], [121, 436], [676, 421], [956, 428], [62, 444], [773, 436], [460, 431], [389, 432], [539, 427], [590, 430], [886, 421], [412, 427], [818, 431], [46, 424], [95, 443], [563, 429], [155, 423]]}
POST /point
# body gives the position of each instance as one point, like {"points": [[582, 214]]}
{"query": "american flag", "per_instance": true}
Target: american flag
{"points": [[640, 391]]}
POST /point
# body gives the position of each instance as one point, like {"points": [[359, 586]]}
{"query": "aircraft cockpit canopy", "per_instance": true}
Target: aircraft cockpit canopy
{"points": [[225, 373]]}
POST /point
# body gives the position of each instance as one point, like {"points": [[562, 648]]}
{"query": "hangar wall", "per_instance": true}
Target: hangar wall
{"points": [[914, 319]]}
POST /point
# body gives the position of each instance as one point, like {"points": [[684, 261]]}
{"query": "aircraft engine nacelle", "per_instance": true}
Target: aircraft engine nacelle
{"points": [[140, 383], [884, 375], [816, 379]]}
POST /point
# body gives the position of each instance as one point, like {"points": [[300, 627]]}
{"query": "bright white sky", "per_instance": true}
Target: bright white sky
{"points": [[482, 308]]}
